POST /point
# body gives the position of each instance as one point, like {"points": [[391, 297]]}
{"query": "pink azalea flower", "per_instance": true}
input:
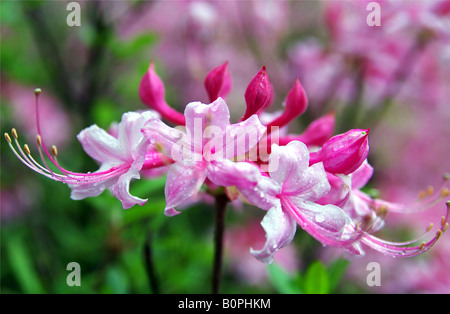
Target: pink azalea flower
{"points": [[126, 154], [289, 195], [204, 151], [121, 158]]}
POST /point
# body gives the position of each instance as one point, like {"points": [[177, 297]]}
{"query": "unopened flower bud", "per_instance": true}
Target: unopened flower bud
{"points": [[259, 94], [295, 105], [343, 153], [316, 134], [218, 82], [152, 93], [319, 131]]}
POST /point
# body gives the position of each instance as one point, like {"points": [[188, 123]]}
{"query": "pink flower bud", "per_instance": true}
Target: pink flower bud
{"points": [[319, 131], [218, 82], [259, 94], [343, 153], [296, 104], [152, 93], [316, 134]]}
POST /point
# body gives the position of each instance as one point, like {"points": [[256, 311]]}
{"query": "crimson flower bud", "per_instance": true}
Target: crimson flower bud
{"points": [[259, 94], [343, 153], [319, 131], [295, 105], [218, 82], [152, 93]]}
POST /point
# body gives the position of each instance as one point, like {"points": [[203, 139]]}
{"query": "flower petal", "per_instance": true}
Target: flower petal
{"points": [[242, 137], [280, 229], [362, 175], [81, 191], [129, 133], [101, 146], [328, 224], [172, 142], [183, 182], [263, 195], [229, 173], [199, 116], [287, 162], [121, 189], [311, 185]]}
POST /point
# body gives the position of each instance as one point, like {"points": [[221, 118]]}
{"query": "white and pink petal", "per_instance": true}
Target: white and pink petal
{"points": [[280, 229]]}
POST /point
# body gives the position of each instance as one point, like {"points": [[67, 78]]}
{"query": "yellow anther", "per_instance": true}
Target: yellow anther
{"points": [[430, 227], [159, 147], [422, 246], [7, 137], [38, 140], [382, 211], [439, 233], [445, 228], [27, 149], [430, 190], [445, 192], [422, 194], [442, 222], [54, 151], [14, 133]]}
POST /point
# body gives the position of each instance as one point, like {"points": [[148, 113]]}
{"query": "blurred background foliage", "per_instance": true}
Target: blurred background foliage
{"points": [[92, 73]]}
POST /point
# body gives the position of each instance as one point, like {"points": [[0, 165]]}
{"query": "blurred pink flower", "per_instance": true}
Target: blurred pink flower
{"points": [[57, 127]]}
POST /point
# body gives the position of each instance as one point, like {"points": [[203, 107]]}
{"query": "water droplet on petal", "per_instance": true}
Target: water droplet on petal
{"points": [[319, 218]]}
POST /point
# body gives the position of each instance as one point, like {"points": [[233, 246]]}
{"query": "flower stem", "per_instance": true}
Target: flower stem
{"points": [[221, 205], [149, 266]]}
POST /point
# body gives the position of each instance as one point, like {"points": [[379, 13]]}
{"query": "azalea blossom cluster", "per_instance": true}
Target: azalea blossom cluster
{"points": [[312, 179]]}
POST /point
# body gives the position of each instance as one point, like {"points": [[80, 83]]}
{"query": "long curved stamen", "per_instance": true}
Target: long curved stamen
{"points": [[426, 199], [401, 249], [24, 155]]}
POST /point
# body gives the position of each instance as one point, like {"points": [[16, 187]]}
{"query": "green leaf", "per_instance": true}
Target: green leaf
{"points": [[127, 49], [316, 279], [282, 282], [336, 271], [22, 266]]}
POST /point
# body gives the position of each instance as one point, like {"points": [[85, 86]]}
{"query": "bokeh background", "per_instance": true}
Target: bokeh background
{"points": [[393, 79]]}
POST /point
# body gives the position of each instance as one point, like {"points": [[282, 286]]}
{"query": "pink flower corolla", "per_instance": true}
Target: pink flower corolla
{"points": [[121, 158], [289, 194], [205, 151]]}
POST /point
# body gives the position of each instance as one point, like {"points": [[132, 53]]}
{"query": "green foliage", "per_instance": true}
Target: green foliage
{"points": [[317, 278]]}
